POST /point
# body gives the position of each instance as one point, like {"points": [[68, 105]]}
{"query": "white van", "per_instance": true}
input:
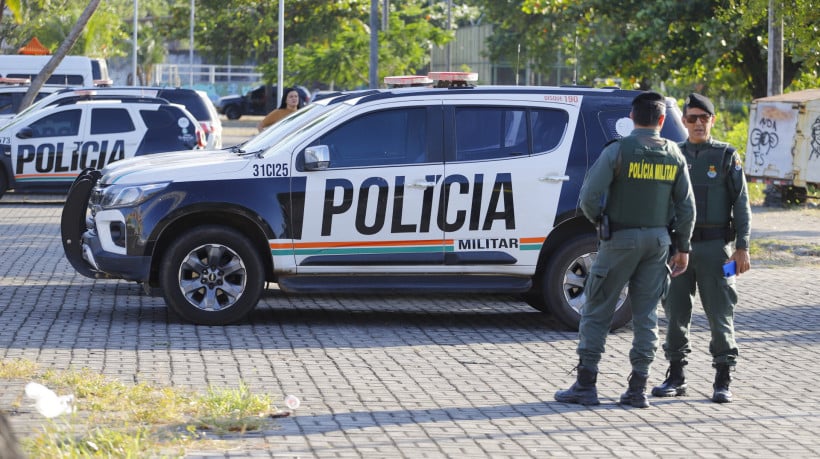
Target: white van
{"points": [[72, 71]]}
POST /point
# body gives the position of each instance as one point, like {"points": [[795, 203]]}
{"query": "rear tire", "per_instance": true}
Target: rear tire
{"points": [[562, 284], [211, 275]]}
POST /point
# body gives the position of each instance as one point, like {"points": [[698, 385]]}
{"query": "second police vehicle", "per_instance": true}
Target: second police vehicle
{"points": [[447, 188], [44, 150]]}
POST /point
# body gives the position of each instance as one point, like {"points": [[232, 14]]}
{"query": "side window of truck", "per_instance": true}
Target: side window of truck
{"points": [[493, 132], [379, 138], [490, 133], [548, 128]]}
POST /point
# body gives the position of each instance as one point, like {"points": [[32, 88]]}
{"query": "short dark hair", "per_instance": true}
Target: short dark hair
{"points": [[647, 108]]}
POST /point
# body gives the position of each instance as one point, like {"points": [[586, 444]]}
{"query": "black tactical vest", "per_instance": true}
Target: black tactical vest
{"points": [[708, 173]]}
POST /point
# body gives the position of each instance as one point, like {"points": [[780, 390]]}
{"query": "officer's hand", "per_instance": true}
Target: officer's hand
{"points": [[678, 263], [741, 258]]}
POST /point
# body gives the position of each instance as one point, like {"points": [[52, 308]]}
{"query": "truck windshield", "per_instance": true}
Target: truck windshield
{"points": [[301, 120]]}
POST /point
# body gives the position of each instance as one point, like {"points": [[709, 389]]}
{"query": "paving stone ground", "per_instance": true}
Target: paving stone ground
{"points": [[455, 376]]}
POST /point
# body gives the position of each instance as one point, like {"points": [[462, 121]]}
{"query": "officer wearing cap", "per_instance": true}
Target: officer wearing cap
{"points": [[637, 183], [721, 236]]}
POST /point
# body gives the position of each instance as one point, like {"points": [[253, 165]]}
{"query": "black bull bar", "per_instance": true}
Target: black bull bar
{"points": [[73, 222]]}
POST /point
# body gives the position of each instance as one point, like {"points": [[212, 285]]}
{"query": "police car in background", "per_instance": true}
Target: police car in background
{"points": [[196, 102], [447, 188], [45, 150]]}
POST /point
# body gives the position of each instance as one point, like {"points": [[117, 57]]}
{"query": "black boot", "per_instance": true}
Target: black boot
{"points": [[722, 393], [636, 394], [675, 382], [583, 392]]}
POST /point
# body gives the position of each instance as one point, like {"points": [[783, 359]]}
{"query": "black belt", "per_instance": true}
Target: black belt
{"points": [[708, 234], [618, 227]]}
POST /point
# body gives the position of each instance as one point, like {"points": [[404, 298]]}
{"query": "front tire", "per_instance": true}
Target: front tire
{"points": [[233, 113], [562, 284], [4, 182], [211, 275]]}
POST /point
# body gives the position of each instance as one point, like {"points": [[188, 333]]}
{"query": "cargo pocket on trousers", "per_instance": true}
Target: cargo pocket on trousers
{"points": [[667, 281], [728, 285], [595, 283]]}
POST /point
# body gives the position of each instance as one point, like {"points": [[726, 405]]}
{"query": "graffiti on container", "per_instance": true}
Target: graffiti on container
{"points": [[815, 139], [763, 138]]}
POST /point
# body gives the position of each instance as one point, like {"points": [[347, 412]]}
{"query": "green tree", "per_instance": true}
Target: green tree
{"points": [[342, 58], [62, 51], [53, 21], [325, 42], [713, 46]]}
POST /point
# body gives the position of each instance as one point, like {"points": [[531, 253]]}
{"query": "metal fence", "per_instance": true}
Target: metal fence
{"points": [[216, 80]]}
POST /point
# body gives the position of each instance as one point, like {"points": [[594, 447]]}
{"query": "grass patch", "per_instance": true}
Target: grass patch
{"points": [[17, 369], [98, 442], [118, 420], [756, 194], [232, 410], [784, 253]]}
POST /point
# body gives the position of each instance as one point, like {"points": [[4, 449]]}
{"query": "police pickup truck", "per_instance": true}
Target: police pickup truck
{"points": [[447, 188]]}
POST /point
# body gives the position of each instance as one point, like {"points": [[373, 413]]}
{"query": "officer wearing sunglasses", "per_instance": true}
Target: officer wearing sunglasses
{"points": [[721, 236]]}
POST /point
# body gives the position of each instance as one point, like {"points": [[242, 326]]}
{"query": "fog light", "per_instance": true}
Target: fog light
{"points": [[117, 230]]}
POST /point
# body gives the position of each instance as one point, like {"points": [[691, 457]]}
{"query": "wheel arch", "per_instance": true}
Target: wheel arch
{"points": [[570, 227], [253, 228]]}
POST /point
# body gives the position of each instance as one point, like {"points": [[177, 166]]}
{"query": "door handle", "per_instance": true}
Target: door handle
{"points": [[421, 184], [555, 178]]}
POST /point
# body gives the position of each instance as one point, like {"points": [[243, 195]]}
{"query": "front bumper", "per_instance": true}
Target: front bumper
{"points": [[82, 245]]}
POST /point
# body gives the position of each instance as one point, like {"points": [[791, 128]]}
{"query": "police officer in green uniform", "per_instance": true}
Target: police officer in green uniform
{"points": [[637, 183], [721, 235]]}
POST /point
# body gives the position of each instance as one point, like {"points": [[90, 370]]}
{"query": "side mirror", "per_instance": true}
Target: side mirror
{"points": [[25, 133], [317, 158]]}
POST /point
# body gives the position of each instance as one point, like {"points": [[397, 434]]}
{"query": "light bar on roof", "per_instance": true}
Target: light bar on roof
{"points": [[453, 76], [407, 80]]}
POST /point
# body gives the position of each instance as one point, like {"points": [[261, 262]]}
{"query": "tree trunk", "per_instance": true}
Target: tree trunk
{"points": [[61, 52]]}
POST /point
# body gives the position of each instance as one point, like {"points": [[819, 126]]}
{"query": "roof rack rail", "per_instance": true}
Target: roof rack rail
{"points": [[126, 99]]}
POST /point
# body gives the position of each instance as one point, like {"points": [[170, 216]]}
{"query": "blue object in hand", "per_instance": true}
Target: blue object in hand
{"points": [[729, 269]]}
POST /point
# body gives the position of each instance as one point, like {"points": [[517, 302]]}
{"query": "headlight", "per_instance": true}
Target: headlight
{"points": [[129, 195]]}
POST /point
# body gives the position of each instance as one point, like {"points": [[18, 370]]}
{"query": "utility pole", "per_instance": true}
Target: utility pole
{"points": [[191, 49], [449, 57], [775, 50], [385, 14], [374, 44], [134, 81], [280, 56]]}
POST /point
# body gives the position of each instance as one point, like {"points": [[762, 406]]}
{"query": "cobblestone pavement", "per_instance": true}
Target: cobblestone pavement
{"points": [[415, 375]]}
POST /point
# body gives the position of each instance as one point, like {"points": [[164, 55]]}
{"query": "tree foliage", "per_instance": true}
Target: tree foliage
{"points": [[715, 46], [52, 22], [707, 45], [71, 38], [325, 42]]}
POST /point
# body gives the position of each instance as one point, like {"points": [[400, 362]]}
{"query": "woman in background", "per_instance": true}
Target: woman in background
{"points": [[290, 103]]}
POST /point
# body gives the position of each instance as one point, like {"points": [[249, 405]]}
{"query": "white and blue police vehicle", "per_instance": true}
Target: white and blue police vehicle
{"points": [[196, 102], [45, 150], [447, 188]]}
